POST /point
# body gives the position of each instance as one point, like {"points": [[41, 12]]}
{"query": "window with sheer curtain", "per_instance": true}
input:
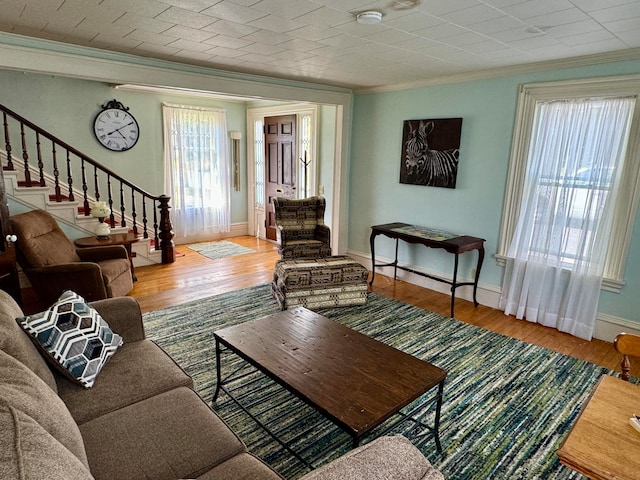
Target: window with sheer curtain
{"points": [[197, 172], [570, 190]]}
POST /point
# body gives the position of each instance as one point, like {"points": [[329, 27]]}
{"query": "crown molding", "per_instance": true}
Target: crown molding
{"points": [[26, 54], [582, 61]]}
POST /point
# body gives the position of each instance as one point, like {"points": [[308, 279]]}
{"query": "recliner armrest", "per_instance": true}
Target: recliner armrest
{"points": [[84, 278], [98, 254], [123, 315]]}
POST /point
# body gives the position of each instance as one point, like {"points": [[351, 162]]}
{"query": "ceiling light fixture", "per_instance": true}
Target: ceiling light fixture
{"points": [[369, 18]]}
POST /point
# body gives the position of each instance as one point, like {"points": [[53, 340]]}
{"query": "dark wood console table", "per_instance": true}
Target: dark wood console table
{"points": [[452, 243]]}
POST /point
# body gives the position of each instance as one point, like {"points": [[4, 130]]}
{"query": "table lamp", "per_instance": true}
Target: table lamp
{"points": [[101, 210]]}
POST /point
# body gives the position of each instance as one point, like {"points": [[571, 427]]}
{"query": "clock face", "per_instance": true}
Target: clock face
{"points": [[116, 129]]}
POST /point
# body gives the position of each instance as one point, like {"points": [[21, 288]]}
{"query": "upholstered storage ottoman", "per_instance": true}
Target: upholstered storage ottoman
{"points": [[319, 282]]}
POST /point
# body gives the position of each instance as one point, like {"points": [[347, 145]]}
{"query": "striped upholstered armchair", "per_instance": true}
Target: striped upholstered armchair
{"points": [[300, 227]]}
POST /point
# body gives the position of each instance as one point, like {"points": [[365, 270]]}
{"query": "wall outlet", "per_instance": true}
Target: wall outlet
{"points": [[321, 190]]}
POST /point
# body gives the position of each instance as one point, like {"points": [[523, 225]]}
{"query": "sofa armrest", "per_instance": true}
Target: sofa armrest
{"points": [[98, 254], [386, 458], [123, 315]]}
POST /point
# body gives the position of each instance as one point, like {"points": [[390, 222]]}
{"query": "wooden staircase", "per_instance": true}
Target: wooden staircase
{"points": [[70, 213], [54, 176]]}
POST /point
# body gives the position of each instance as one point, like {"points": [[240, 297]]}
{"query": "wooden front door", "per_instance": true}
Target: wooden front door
{"points": [[281, 164]]}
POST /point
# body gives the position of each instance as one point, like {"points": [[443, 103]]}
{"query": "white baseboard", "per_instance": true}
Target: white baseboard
{"points": [[607, 326], [237, 230]]}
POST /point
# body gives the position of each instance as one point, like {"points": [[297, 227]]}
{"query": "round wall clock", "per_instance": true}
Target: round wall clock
{"points": [[115, 128]]}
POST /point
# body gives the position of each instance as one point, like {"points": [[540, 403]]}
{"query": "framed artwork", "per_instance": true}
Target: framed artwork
{"points": [[430, 152]]}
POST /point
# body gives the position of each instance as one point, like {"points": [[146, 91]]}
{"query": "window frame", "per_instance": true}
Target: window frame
{"points": [[629, 193]]}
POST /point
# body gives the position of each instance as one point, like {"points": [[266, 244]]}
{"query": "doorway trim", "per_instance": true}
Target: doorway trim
{"points": [[256, 209]]}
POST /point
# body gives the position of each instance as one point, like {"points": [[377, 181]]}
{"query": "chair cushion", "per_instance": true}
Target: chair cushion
{"points": [[15, 342], [168, 436], [139, 370], [29, 452], [22, 390], [74, 337], [41, 241]]}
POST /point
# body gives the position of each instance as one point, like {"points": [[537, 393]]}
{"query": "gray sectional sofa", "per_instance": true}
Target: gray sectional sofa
{"points": [[141, 419]]}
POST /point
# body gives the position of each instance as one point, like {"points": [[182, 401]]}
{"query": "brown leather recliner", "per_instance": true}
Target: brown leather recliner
{"points": [[52, 263]]}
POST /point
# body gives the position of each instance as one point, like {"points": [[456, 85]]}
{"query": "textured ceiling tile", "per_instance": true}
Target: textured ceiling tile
{"points": [[184, 17], [143, 23], [286, 8], [471, 15], [326, 17], [267, 37], [151, 37], [233, 13], [232, 29], [193, 34], [183, 44], [275, 23], [228, 42], [146, 8]]}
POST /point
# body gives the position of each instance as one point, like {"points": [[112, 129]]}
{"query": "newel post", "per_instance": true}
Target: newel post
{"points": [[167, 246]]}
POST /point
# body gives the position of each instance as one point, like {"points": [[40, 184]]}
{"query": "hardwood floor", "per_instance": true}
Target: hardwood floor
{"points": [[194, 276]]}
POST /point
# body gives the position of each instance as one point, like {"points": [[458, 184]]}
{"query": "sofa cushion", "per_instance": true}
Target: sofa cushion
{"points": [[241, 467], [172, 435], [29, 452], [74, 337], [139, 370], [23, 390], [376, 460]]}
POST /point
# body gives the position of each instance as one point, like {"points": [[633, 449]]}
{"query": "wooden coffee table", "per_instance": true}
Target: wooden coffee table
{"points": [[354, 380]]}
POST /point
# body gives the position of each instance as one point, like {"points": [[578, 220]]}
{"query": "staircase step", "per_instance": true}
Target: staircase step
{"points": [[63, 198], [34, 183]]}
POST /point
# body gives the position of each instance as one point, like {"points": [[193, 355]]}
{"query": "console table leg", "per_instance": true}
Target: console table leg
{"points": [[454, 284], [395, 263], [372, 245], [475, 280]]}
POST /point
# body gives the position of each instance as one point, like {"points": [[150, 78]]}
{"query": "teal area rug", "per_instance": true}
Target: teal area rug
{"points": [[507, 404], [219, 249]]}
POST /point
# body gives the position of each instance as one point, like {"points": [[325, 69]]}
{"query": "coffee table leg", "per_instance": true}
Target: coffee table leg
{"points": [[218, 372], [436, 427]]}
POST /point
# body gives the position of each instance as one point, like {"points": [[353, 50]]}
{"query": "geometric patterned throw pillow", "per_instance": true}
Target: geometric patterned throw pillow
{"points": [[74, 337]]}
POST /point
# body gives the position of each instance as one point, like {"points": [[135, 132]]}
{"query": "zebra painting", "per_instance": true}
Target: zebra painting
{"points": [[430, 152]]}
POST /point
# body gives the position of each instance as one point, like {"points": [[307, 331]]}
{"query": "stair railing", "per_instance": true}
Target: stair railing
{"points": [[129, 199]]}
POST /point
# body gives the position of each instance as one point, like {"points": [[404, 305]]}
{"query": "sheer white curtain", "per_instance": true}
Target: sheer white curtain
{"points": [[557, 255], [197, 169]]}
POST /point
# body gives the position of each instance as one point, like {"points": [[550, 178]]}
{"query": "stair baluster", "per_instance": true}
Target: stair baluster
{"points": [[43, 183], [56, 174], [70, 177], [7, 143], [134, 213], [25, 157], [85, 187]]}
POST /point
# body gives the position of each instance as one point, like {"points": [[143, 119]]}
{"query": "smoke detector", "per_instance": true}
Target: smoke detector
{"points": [[369, 18]]}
